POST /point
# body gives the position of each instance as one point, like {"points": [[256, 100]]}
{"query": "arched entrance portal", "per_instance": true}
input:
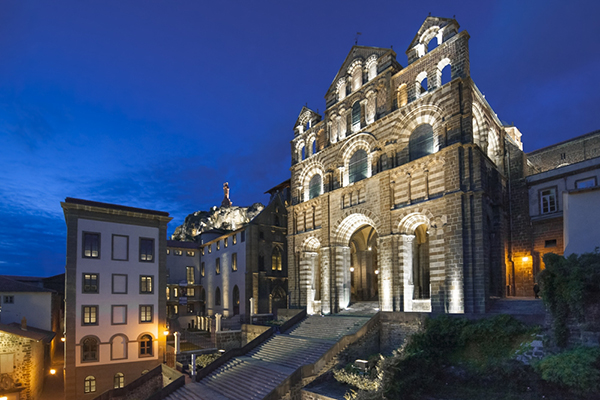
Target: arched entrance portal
{"points": [[363, 265]]}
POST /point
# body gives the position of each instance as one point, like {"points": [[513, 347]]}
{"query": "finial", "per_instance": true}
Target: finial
{"points": [[356, 38]]}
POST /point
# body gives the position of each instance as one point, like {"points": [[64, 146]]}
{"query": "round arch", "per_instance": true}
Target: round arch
{"points": [[350, 223], [362, 141], [410, 222]]}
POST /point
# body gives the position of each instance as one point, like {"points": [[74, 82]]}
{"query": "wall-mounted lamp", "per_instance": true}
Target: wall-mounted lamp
{"points": [[63, 339], [369, 248], [351, 269], [525, 259], [166, 332], [52, 371], [376, 272]]}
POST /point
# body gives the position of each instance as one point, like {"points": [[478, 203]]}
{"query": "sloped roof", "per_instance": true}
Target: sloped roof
{"points": [[428, 23], [11, 285], [356, 51], [181, 244], [302, 112], [31, 332]]}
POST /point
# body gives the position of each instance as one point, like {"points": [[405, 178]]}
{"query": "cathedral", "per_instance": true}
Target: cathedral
{"points": [[401, 190]]}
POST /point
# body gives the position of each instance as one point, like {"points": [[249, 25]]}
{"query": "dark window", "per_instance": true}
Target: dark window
{"points": [[261, 263], [119, 381], [89, 349], [234, 262], [548, 201], [236, 300], [146, 284], [261, 235], [90, 283], [89, 315], [218, 266], [91, 245], [276, 259], [146, 346], [357, 167], [243, 236], [550, 243], [420, 142], [146, 250], [356, 114], [217, 297], [190, 308], [89, 385], [9, 299], [314, 186], [146, 312]]}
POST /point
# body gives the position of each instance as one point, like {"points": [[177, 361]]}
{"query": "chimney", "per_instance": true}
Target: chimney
{"points": [[24, 324]]}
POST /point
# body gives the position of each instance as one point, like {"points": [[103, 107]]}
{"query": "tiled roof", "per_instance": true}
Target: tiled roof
{"points": [[11, 285], [31, 332]]}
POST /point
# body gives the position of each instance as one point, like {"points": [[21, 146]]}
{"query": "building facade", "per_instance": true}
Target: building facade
{"points": [[400, 191], [115, 314]]}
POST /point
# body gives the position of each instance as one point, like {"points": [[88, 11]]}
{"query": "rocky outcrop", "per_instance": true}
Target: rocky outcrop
{"points": [[224, 218]]}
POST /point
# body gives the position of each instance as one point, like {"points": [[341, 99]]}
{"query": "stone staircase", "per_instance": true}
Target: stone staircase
{"points": [[256, 374], [517, 306]]}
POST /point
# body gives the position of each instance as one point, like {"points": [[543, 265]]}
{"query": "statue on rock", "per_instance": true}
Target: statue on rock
{"points": [[226, 203]]}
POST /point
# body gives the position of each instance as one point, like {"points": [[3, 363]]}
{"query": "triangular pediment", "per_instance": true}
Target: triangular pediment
{"points": [[306, 114], [360, 52]]}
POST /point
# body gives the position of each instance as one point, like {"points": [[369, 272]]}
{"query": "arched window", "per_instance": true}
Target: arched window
{"points": [[146, 346], [420, 142], [433, 43], [421, 84], [118, 347], [119, 380], [357, 167], [276, 259], [421, 274], [315, 186], [402, 95], [217, 297], [89, 385], [89, 349], [356, 116], [443, 72], [236, 300]]}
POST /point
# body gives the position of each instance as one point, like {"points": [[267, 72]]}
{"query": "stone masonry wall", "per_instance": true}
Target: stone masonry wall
{"points": [[28, 372]]}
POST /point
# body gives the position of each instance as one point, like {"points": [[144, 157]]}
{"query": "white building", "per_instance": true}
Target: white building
{"points": [[114, 313]]}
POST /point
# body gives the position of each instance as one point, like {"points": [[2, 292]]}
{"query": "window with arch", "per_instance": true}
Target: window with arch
{"points": [[119, 380], [89, 385], [89, 349], [421, 84], [235, 296], [146, 346], [217, 296], [313, 147], [402, 95], [276, 259], [356, 116], [443, 72], [118, 347], [433, 43], [421, 272], [420, 142], [315, 186], [358, 165]]}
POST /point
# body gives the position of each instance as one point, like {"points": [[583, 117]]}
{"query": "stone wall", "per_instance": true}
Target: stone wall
{"points": [[227, 340], [569, 152], [251, 332], [397, 327], [28, 373]]}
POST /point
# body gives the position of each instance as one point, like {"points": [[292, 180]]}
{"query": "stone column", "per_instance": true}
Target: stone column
{"points": [[437, 269], [371, 107], [193, 365], [325, 280], [218, 322], [251, 307], [405, 258], [341, 279], [385, 262], [270, 303], [177, 342]]}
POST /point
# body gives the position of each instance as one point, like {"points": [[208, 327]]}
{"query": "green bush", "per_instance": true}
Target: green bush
{"points": [[577, 369], [568, 286], [204, 359]]}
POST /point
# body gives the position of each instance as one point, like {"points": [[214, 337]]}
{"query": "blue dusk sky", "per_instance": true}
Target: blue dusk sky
{"points": [[155, 104]]}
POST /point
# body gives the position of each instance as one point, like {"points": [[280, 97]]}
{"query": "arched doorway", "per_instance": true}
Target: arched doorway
{"points": [[364, 285], [421, 273], [236, 300]]}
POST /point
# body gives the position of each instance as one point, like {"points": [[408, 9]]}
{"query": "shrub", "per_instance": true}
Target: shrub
{"points": [[577, 369]]}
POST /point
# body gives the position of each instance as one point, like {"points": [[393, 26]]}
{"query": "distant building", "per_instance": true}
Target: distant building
{"points": [[25, 297], [185, 299], [23, 356], [115, 295]]}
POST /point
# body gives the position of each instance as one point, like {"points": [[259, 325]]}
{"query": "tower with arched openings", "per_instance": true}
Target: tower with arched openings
{"points": [[399, 188]]}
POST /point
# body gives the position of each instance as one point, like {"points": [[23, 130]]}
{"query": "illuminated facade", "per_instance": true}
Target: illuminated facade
{"points": [[399, 192], [115, 295]]}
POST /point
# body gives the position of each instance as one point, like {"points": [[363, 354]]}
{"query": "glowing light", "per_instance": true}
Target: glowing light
{"points": [[376, 272], [166, 332], [62, 339], [525, 259], [221, 351], [351, 269], [369, 248], [3, 398], [52, 372]]}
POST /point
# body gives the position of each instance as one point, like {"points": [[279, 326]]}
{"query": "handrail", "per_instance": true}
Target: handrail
{"points": [[229, 354], [308, 370]]}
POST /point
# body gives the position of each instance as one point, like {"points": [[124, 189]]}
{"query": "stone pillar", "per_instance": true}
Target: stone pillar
{"points": [[385, 262], [251, 307], [371, 107], [341, 279], [405, 256], [325, 281], [270, 303], [177, 342], [437, 269], [218, 322], [193, 365]]}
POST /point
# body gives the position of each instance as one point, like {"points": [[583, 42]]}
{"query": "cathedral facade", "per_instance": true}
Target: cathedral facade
{"points": [[400, 191]]}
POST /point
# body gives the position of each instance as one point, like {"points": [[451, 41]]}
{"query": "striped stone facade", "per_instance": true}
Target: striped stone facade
{"points": [[456, 194]]}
